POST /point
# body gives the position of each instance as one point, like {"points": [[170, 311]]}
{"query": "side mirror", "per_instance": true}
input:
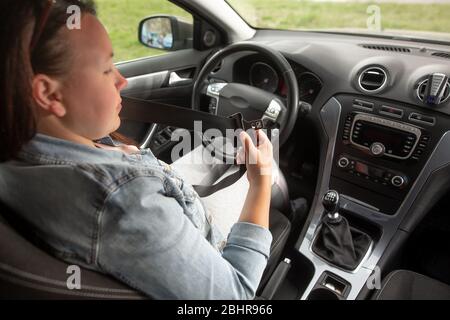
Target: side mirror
{"points": [[166, 33]]}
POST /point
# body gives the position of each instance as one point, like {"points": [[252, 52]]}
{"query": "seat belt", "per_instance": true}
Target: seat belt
{"points": [[180, 117]]}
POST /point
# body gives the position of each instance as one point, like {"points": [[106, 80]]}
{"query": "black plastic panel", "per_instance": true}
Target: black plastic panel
{"points": [[377, 188]]}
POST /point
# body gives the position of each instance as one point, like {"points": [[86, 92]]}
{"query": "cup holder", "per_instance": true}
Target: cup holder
{"points": [[322, 294]]}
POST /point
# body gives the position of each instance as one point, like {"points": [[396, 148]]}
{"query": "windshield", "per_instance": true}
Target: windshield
{"points": [[423, 19]]}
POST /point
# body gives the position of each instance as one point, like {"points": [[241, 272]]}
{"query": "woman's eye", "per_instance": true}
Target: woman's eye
{"points": [[108, 71]]}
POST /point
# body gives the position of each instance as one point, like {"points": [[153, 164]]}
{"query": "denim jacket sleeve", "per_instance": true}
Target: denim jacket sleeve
{"points": [[149, 243]]}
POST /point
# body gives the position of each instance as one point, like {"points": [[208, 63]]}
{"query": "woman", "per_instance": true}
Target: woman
{"points": [[113, 209]]}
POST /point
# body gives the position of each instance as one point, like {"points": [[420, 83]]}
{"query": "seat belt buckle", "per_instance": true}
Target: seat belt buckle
{"points": [[256, 124], [245, 125]]}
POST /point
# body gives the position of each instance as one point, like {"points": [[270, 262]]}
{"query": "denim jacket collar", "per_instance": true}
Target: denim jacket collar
{"points": [[47, 148]]}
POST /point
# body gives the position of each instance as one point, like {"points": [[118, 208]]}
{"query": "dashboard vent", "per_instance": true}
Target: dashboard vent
{"points": [[386, 48], [372, 79], [217, 67], [421, 87], [441, 54]]}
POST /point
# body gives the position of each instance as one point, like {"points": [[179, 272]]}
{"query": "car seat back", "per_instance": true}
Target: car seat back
{"points": [[28, 272]]}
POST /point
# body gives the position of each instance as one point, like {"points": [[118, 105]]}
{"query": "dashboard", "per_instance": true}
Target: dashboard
{"points": [[389, 122]]}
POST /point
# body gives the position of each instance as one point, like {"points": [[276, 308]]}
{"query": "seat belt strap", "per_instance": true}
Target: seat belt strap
{"points": [[204, 191], [180, 117]]}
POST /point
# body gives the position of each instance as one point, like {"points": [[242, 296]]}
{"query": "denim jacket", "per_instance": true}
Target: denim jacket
{"points": [[133, 217]]}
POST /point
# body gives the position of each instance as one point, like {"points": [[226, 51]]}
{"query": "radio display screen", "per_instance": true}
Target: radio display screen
{"points": [[387, 136], [366, 133]]}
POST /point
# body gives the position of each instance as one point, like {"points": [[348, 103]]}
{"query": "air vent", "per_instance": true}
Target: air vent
{"points": [[420, 92], [217, 67], [372, 79], [386, 48], [441, 54]]}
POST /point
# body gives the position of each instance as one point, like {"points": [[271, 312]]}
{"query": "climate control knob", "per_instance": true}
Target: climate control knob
{"points": [[398, 181], [343, 162], [377, 149]]}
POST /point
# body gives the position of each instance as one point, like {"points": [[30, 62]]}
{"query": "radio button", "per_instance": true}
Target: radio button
{"points": [[422, 145]]}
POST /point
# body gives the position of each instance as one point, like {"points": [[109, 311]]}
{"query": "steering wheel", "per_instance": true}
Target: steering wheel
{"points": [[253, 103]]}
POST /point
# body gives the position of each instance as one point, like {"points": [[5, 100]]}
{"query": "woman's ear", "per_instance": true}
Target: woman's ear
{"points": [[47, 95]]}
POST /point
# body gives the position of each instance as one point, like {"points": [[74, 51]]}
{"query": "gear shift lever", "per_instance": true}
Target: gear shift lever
{"points": [[330, 202], [336, 241]]}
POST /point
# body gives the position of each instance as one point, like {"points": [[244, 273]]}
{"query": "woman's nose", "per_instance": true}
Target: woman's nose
{"points": [[121, 82]]}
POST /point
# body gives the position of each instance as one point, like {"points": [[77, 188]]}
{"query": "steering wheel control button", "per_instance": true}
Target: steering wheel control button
{"points": [[213, 105], [343, 162], [398, 181], [272, 111], [377, 149], [214, 89]]}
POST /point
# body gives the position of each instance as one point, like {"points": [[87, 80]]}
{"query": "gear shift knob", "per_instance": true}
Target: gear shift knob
{"points": [[330, 202]]}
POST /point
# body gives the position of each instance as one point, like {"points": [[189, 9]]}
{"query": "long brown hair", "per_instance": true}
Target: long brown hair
{"points": [[23, 22]]}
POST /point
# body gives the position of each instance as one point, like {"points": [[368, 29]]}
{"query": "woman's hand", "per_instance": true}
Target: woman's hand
{"points": [[258, 158]]}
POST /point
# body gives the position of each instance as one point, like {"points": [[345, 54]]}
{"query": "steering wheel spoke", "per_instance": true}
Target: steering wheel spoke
{"points": [[213, 91]]}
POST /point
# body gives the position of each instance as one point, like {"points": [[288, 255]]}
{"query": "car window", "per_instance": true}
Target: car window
{"points": [[121, 18]]}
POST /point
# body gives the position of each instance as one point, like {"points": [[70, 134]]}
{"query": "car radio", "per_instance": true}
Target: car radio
{"points": [[384, 137]]}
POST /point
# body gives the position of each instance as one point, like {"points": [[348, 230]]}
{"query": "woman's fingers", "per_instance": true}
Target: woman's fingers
{"points": [[258, 159], [252, 154], [249, 148], [262, 137]]}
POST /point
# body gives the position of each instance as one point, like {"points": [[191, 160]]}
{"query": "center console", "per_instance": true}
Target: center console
{"points": [[378, 158], [380, 150]]}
